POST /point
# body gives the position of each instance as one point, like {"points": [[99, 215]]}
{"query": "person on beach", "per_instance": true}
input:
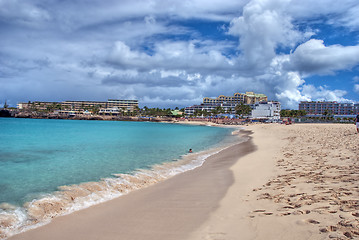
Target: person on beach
{"points": [[190, 150], [357, 122]]}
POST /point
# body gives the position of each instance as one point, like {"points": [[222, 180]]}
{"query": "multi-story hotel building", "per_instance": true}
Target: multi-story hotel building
{"points": [[122, 105], [228, 108], [227, 103], [334, 108], [246, 98], [260, 110]]}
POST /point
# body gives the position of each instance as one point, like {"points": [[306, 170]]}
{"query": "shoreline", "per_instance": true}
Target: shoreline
{"points": [[286, 182], [146, 205], [72, 198]]}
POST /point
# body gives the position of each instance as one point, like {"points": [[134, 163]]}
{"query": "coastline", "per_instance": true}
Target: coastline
{"points": [[287, 182], [71, 198], [167, 210]]}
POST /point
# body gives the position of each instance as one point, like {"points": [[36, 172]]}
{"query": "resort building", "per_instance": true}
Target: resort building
{"points": [[246, 98], [81, 106], [109, 111], [329, 108], [266, 110], [227, 103], [260, 110], [38, 106], [128, 105], [210, 108]]}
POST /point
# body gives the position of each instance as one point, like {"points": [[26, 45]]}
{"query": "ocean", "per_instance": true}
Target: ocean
{"points": [[54, 167]]}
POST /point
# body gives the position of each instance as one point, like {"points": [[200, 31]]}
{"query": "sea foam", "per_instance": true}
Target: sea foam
{"points": [[50, 155], [71, 198]]}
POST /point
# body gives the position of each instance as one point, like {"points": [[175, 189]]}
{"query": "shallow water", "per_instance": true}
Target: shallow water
{"points": [[52, 167]]}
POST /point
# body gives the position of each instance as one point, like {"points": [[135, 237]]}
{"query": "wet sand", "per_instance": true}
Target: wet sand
{"points": [[168, 210]]}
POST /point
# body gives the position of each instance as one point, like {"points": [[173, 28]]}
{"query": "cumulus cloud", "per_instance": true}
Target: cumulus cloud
{"points": [[263, 28], [266, 26], [173, 52], [191, 56], [322, 93], [314, 57]]}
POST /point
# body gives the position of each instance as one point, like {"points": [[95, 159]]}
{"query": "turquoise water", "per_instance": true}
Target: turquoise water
{"points": [[39, 155]]}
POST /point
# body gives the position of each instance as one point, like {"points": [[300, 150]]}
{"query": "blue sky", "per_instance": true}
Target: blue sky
{"points": [[174, 53]]}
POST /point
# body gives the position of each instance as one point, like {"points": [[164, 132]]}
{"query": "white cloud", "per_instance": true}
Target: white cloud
{"points": [[349, 18], [356, 88], [264, 26], [169, 55], [23, 13], [322, 93], [149, 50], [313, 57]]}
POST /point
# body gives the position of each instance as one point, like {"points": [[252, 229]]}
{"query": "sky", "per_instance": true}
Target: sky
{"points": [[174, 53]]}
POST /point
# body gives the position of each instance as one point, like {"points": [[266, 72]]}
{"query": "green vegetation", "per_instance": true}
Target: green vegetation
{"points": [[95, 109], [155, 111], [243, 109], [292, 113]]}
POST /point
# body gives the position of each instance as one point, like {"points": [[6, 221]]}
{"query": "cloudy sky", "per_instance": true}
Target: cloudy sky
{"points": [[174, 53]]}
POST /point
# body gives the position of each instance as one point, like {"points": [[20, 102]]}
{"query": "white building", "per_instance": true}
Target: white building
{"points": [[108, 111], [266, 110]]}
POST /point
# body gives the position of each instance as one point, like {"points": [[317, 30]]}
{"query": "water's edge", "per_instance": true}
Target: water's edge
{"points": [[68, 199]]}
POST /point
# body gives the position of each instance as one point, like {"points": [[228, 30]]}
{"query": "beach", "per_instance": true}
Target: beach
{"points": [[286, 182], [305, 186]]}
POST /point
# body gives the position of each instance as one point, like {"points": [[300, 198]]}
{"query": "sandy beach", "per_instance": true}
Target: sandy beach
{"points": [[287, 182], [306, 186]]}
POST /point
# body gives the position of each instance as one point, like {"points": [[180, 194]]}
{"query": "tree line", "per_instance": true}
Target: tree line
{"points": [[292, 113], [240, 109]]}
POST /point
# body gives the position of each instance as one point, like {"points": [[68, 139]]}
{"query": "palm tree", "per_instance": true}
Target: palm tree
{"points": [[219, 109], [243, 109], [5, 105]]}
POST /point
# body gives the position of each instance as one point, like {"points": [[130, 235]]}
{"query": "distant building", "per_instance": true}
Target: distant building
{"points": [[41, 106], [109, 111], [227, 103], [331, 108], [127, 105], [82, 106], [266, 110], [227, 108], [246, 98]]}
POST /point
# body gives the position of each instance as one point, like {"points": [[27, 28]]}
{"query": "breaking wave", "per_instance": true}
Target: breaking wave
{"points": [[71, 198]]}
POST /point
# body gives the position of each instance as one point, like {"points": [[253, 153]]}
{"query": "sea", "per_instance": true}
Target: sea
{"points": [[51, 167]]}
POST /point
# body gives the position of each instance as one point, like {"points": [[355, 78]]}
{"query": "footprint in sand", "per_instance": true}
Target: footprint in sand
{"points": [[312, 221]]}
